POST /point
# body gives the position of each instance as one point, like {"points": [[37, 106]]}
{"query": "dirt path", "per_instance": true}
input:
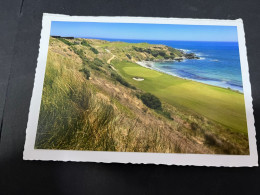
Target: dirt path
{"points": [[113, 56], [109, 60]]}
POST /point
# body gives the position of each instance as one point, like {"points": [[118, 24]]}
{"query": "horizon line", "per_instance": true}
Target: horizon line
{"points": [[144, 39]]}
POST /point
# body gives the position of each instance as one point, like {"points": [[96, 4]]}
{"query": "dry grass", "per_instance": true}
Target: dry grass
{"points": [[74, 116], [101, 114]]}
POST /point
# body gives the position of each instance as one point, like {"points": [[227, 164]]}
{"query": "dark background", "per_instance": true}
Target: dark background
{"points": [[20, 27]]}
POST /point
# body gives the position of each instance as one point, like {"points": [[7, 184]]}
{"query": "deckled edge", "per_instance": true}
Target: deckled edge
{"points": [[36, 78], [247, 91], [31, 154]]}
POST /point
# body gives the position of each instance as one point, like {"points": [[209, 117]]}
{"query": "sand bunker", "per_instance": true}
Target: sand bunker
{"points": [[138, 79]]}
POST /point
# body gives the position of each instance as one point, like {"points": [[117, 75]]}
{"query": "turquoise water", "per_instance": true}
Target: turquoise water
{"points": [[219, 62]]}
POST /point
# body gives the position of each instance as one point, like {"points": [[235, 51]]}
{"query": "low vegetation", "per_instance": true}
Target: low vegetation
{"points": [[121, 80], [151, 101], [85, 43], [86, 72], [95, 51], [90, 104], [65, 41]]}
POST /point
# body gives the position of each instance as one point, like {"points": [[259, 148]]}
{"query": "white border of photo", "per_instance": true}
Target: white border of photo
{"points": [[30, 153]]}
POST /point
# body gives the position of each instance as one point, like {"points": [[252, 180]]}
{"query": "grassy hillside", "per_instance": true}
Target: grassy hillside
{"points": [[91, 102]]}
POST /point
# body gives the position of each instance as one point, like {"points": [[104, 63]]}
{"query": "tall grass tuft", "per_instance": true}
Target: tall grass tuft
{"points": [[71, 117]]}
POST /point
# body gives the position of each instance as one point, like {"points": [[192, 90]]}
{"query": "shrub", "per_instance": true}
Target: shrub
{"points": [[129, 57], [86, 72], [85, 43], [151, 101], [175, 51], [80, 53], [94, 50], [165, 114], [148, 50], [139, 49], [222, 146], [98, 62], [94, 67], [121, 80], [210, 139], [95, 64], [177, 147], [167, 57], [155, 53], [138, 95], [65, 41], [194, 126], [162, 53], [86, 62]]}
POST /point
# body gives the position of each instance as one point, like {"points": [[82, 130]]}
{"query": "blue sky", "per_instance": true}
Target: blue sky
{"points": [[145, 31]]}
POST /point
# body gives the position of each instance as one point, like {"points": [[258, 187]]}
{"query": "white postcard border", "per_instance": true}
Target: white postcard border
{"points": [[135, 157]]}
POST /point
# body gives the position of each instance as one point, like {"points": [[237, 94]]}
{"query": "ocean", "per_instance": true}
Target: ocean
{"points": [[219, 62]]}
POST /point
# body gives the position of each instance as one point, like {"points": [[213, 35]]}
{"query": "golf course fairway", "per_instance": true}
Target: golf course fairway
{"points": [[219, 104]]}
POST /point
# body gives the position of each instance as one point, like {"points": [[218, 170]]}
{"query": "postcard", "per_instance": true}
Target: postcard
{"points": [[142, 90]]}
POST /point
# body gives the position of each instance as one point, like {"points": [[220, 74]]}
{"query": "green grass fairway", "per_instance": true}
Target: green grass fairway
{"points": [[222, 105]]}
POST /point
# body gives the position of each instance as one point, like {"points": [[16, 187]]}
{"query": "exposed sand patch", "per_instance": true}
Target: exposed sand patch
{"points": [[109, 60], [113, 68], [138, 79], [113, 56]]}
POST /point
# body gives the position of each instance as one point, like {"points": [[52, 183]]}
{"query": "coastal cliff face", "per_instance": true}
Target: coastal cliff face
{"points": [[96, 97]]}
